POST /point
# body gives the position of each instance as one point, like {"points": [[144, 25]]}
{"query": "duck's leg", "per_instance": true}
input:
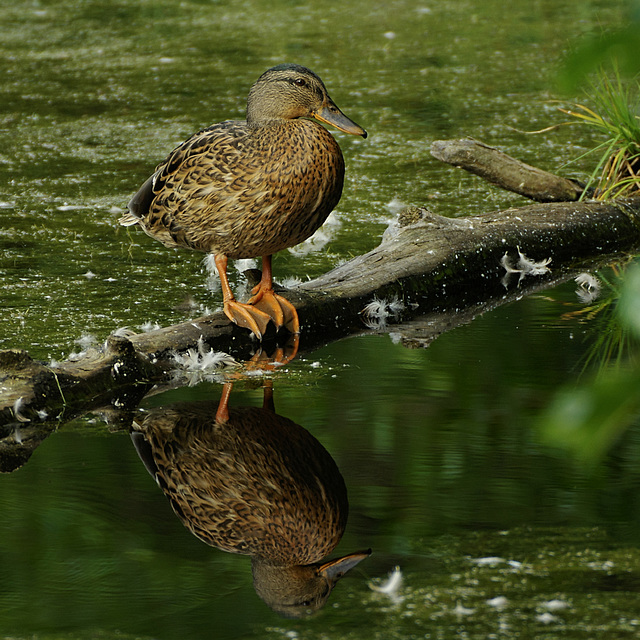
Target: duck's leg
{"points": [[281, 311], [244, 315], [267, 395], [222, 414]]}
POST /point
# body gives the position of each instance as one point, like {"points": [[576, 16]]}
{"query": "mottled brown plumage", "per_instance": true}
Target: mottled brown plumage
{"points": [[243, 189], [249, 481]]}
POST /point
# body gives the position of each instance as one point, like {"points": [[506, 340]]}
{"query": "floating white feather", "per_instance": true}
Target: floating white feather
{"points": [[391, 586], [378, 312]]}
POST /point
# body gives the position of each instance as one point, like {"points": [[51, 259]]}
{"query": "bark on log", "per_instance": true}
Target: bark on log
{"points": [[506, 172], [452, 269]]}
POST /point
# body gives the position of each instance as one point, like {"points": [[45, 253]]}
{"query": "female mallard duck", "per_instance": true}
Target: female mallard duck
{"points": [[247, 480], [243, 189]]}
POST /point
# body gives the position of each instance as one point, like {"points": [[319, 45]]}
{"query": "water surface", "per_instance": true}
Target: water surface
{"points": [[439, 447]]}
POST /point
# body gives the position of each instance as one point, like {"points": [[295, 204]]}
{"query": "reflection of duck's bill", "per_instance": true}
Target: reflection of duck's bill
{"points": [[335, 569], [330, 114]]}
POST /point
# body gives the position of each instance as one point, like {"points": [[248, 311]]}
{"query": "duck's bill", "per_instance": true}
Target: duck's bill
{"points": [[335, 569], [330, 114]]}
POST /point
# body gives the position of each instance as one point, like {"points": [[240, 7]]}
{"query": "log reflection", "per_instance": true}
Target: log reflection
{"points": [[246, 480]]}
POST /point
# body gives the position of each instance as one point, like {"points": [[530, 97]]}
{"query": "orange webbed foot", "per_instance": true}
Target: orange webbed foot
{"points": [[247, 316], [279, 309]]}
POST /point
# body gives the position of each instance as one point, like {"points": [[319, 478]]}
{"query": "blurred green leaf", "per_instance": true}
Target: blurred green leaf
{"points": [[620, 47], [589, 419], [629, 305]]}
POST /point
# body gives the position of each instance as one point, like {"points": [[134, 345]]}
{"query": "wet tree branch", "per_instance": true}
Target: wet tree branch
{"points": [[506, 172]]}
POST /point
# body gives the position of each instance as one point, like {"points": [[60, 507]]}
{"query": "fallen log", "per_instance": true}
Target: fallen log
{"points": [[425, 264]]}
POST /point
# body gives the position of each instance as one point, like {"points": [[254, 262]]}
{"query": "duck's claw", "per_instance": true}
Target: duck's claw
{"points": [[279, 309], [290, 314], [247, 316]]}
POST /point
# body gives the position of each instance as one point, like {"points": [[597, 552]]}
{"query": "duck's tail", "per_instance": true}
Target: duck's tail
{"points": [[139, 205], [128, 219]]}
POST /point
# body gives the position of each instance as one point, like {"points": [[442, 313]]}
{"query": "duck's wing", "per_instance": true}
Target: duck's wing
{"points": [[211, 141]]}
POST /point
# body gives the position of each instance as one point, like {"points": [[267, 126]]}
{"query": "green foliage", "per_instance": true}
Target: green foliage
{"points": [[630, 299], [590, 418], [618, 47], [615, 115], [610, 54], [614, 341], [621, 45]]}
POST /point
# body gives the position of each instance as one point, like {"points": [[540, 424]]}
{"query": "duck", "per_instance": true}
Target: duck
{"points": [[249, 481], [251, 188]]}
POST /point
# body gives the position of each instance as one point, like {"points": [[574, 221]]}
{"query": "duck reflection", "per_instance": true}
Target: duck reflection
{"points": [[246, 480]]}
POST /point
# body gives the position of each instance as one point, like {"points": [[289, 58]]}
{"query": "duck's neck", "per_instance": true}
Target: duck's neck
{"points": [[263, 121], [265, 109], [280, 583]]}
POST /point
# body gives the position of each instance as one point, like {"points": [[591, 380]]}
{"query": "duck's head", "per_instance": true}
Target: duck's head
{"points": [[290, 91]]}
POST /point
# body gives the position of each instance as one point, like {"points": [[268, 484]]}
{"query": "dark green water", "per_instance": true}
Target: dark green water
{"points": [[440, 448]]}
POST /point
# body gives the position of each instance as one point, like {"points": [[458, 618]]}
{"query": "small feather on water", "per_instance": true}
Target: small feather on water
{"points": [[377, 312], [588, 287], [588, 282], [531, 267], [203, 358], [149, 326], [546, 618], [17, 408], [499, 602], [87, 341], [488, 561], [525, 266], [212, 282], [320, 238], [460, 610], [554, 605], [395, 205], [123, 332], [391, 586]]}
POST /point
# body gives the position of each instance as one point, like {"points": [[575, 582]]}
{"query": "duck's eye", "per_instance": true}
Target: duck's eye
{"points": [[300, 82]]}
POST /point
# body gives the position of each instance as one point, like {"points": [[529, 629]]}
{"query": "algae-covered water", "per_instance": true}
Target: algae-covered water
{"points": [[497, 531]]}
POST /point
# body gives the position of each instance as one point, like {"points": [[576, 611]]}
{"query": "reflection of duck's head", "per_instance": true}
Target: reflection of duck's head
{"points": [[301, 589], [253, 482]]}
